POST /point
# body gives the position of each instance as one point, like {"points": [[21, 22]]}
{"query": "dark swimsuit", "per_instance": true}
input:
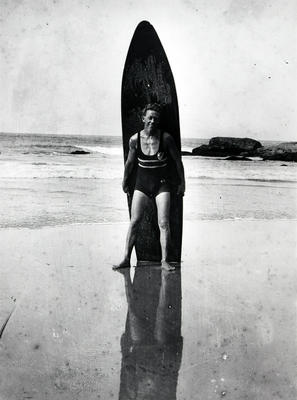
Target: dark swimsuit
{"points": [[152, 173]]}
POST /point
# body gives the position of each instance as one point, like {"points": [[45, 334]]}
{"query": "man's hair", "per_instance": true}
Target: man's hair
{"points": [[153, 107]]}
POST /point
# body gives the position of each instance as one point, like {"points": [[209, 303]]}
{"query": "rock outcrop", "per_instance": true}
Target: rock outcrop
{"points": [[286, 151], [186, 153], [228, 146], [80, 152]]}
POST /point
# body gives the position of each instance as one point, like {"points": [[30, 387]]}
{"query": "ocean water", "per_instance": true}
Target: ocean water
{"points": [[42, 183]]}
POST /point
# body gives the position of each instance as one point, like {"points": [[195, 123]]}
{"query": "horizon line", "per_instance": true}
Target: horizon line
{"points": [[119, 136]]}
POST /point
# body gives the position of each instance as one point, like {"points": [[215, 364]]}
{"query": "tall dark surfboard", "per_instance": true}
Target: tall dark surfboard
{"points": [[147, 78]]}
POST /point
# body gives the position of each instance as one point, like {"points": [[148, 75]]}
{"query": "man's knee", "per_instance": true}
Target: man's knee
{"points": [[164, 224]]}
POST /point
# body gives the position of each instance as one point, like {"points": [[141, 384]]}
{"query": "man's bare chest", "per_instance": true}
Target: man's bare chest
{"points": [[149, 144]]}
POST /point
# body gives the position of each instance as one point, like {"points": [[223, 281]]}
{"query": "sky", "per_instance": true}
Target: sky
{"points": [[234, 64]]}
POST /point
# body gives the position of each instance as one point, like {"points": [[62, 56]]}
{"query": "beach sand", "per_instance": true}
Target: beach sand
{"points": [[68, 338]]}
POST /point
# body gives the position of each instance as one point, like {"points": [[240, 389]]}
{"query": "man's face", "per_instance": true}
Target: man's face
{"points": [[151, 120]]}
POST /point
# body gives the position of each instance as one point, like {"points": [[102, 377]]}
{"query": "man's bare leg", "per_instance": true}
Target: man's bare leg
{"points": [[137, 208], [163, 207]]}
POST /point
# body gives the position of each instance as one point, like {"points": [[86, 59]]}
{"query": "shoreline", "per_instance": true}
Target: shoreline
{"points": [[34, 203], [126, 223]]}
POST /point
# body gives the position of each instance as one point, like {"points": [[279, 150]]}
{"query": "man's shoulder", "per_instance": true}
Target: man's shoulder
{"points": [[168, 139], [166, 135], [133, 140]]}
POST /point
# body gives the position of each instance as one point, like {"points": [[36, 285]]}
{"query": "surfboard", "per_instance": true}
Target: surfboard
{"points": [[147, 78]]}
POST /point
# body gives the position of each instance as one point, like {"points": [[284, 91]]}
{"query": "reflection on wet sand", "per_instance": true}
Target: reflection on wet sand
{"points": [[151, 344]]}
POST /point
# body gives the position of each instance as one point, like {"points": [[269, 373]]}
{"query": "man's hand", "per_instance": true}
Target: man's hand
{"points": [[125, 186], [181, 189]]}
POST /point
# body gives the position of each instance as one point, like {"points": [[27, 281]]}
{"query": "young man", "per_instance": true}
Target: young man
{"points": [[151, 148]]}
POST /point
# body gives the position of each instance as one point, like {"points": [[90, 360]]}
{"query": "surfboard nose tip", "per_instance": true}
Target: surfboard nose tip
{"points": [[143, 24]]}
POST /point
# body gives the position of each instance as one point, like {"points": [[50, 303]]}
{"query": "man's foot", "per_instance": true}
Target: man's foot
{"points": [[124, 264], [165, 265]]}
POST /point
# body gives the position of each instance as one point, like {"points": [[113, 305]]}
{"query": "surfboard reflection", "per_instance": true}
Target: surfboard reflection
{"points": [[152, 344]]}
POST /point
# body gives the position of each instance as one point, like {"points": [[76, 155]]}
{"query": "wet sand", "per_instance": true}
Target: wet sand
{"points": [[224, 326]]}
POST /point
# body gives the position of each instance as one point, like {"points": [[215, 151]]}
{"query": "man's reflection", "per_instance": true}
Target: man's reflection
{"points": [[152, 343]]}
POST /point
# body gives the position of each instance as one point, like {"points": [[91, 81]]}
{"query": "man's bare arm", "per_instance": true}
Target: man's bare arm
{"points": [[130, 162], [175, 155]]}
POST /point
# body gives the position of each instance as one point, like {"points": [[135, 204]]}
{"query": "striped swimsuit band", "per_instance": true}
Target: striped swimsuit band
{"points": [[152, 163]]}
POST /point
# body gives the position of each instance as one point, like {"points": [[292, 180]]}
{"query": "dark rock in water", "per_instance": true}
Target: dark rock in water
{"points": [[286, 151], [235, 144], [228, 146], [186, 153], [202, 150], [80, 152], [238, 158]]}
